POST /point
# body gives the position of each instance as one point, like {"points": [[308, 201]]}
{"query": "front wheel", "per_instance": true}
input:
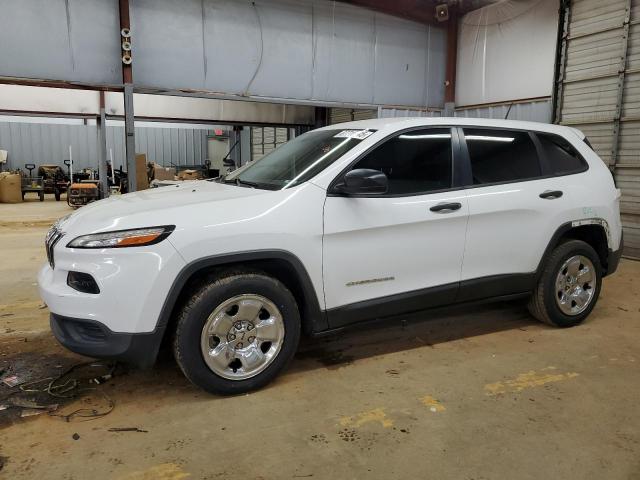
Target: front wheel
{"points": [[569, 286], [237, 332]]}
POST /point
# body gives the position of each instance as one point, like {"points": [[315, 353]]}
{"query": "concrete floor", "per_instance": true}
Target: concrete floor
{"points": [[481, 392]]}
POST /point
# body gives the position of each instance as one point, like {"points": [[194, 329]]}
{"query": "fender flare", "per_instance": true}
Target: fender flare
{"points": [[566, 227], [315, 318]]}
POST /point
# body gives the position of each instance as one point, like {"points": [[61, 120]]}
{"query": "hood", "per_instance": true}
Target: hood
{"points": [[155, 206]]}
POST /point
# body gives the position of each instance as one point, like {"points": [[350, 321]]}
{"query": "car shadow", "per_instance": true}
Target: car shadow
{"points": [[342, 348], [378, 337], [422, 329], [333, 351]]}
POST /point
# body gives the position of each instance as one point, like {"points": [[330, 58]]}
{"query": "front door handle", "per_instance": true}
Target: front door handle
{"points": [[446, 207], [551, 194]]}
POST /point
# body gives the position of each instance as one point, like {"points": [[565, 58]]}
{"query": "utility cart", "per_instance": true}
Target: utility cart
{"points": [[54, 180], [83, 192], [31, 183]]}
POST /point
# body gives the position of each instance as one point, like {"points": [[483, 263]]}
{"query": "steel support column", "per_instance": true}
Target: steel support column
{"points": [[130, 140], [245, 146], [561, 60], [235, 145], [321, 117], [452, 57], [620, 86], [101, 122], [127, 80]]}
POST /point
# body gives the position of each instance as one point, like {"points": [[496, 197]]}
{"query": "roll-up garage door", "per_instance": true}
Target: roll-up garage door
{"points": [[266, 139], [339, 115], [598, 91]]}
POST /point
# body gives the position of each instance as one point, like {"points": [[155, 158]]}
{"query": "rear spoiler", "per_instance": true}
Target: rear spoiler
{"points": [[578, 132]]}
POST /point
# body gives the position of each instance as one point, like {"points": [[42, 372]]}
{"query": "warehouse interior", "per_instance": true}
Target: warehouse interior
{"points": [[121, 96]]}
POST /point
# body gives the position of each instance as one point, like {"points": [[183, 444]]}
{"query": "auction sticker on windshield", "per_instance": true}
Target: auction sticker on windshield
{"points": [[357, 134]]}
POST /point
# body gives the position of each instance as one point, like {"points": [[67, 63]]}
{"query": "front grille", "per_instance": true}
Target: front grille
{"points": [[53, 236]]}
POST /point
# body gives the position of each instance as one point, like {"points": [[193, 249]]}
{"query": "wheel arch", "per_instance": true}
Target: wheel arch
{"points": [[594, 232], [280, 264]]}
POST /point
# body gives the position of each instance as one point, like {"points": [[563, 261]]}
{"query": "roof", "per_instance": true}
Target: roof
{"points": [[398, 123]]}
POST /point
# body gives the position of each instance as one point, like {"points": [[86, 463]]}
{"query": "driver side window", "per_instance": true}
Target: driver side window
{"points": [[419, 161]]}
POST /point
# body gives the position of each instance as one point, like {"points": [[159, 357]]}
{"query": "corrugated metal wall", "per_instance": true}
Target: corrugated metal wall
{"points": [[394, 112], [533, 111], [49, 143], [283, 49], [538, 110], [599, 93], [507, 51]]}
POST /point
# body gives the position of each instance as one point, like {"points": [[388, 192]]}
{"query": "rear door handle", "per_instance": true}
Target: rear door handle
{"points": [[446, 207], [551, 194]]}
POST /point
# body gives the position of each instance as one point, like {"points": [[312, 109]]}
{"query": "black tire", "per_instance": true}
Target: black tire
{"points": [[543, 305], [57, 195], [207, 297], [41, 194]]}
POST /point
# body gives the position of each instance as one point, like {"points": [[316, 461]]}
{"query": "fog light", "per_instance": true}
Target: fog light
{"points": [[82, 282]]}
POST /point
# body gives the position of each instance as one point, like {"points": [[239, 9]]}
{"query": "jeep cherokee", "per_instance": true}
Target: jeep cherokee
{"points": [[347, 223]]}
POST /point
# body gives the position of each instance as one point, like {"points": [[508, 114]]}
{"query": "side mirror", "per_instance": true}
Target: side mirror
{"points": [[363, 181]]}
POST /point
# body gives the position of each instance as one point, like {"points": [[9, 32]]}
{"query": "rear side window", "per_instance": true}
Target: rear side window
{"points": [[563, 159], [414, 162], [499, 156]]}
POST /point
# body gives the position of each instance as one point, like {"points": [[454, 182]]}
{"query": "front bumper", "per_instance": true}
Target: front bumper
{"points": [[133, 285], [93, 339], [121, 319]]}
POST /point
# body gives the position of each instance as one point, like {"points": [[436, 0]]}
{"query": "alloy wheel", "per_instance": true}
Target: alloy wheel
{"points": [[575, 285], [242, 336]]}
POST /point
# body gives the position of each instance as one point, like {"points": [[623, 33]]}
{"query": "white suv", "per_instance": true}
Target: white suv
{"points": [[343, 224]]}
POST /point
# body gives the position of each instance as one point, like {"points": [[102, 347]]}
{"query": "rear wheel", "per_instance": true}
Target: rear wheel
{"points": [[57, 195], [237, 332], [569, 286], [41, 194]]}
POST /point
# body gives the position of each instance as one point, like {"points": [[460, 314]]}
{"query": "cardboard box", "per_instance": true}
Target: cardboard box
{"points": [[190, 175], [10, 187], [163, 173], [142, 181]]}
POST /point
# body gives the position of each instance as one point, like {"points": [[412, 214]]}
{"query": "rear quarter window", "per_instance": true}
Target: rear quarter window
{"points": [[562, 157]]}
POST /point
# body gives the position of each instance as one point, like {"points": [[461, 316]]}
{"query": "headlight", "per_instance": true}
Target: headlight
{"points": [[123, 238]]}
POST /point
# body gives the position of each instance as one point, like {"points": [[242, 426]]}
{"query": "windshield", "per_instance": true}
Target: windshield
{"points": [[298, 160]]}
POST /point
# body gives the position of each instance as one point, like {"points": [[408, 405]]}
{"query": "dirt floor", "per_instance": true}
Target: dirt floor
{"points": [[481, 392]]}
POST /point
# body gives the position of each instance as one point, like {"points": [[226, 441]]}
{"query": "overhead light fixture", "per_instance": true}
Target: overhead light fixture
{"points": [[442, 12]]}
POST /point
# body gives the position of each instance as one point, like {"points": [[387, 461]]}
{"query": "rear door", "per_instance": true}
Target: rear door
{"points": [[516, 203], [401, 251]]}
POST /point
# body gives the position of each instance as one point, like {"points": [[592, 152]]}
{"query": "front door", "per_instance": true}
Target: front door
{"points": [[400, 251]]}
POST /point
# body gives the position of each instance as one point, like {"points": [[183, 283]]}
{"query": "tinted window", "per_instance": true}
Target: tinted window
{"points": [[501, 155], [414, 162], [561, 156]]}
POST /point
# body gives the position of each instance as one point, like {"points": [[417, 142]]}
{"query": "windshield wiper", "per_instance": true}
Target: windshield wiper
{"points": [[238, 182], [244, 182]]}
